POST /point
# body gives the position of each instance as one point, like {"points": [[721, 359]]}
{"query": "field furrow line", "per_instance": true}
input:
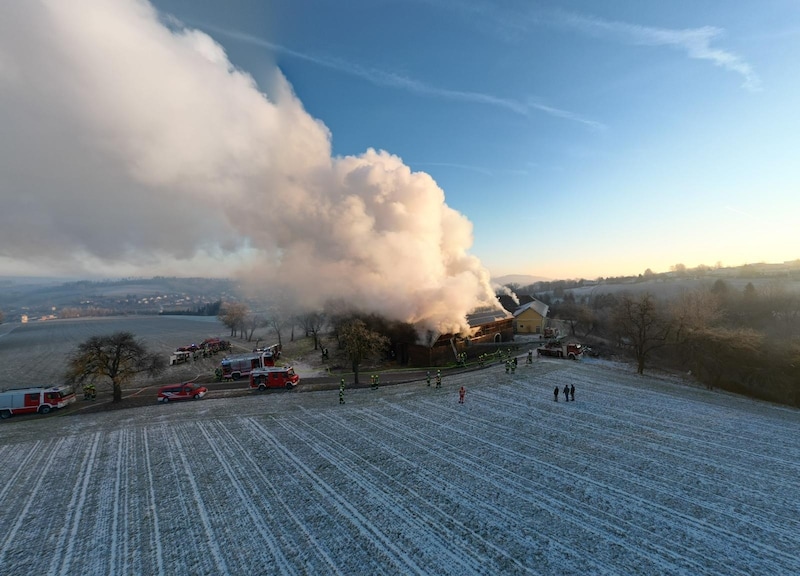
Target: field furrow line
{"points": [[611, 523], [690, 432], [473, 479], [397, 556], [458, 530], [410, 512], [657, 510], [119, 500], [75, 512], [235, 482], [19, 463], [629, 432], [648, 492], [155, 537], [339, 533], [34, 499], [264, 486], [784, 520], [211, 542], [708, 405]]}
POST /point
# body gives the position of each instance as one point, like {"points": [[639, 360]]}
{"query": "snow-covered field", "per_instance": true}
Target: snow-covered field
{"points": [[640, 475]]}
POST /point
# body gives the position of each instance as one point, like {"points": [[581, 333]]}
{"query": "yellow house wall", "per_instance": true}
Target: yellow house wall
{"points": [[529, 322]]}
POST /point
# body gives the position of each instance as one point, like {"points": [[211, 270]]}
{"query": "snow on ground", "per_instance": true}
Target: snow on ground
{"points": [[639, 475]]}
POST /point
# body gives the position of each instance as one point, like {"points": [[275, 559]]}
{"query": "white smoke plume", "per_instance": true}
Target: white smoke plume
{"points": [[503, 289], [131, 147]]}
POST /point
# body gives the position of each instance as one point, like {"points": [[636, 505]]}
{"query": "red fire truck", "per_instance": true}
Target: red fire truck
{"points": [[571, 350], [240, 365], [33, 400], [274, 377]]}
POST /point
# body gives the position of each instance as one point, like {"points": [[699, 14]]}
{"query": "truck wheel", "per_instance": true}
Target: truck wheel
{"points": [[236, 375], [196, 397], [5, 414], [165, 400], [262, 387], [288, 385], [44, 409], [572, 356]]}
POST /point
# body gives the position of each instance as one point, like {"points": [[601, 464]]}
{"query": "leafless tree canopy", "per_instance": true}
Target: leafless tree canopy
{"points": [[118, 357]]}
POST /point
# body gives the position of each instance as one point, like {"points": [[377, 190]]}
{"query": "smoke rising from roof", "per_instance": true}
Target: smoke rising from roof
{"points": [[133, 147]]}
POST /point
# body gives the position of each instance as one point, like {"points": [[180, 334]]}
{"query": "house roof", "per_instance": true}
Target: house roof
{"points": [[486, 316], [511, 304], [539, 307]]}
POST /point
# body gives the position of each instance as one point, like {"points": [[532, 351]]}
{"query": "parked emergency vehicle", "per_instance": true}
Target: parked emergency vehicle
{"points": [[240, 365], [179, 357], [184, 391], [571, 350], [274, 377], [33, 400]]}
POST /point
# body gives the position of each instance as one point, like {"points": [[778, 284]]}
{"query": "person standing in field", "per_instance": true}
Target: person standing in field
{"points": [[461, 393], [555, 393], [566, 393], [572, 392]]}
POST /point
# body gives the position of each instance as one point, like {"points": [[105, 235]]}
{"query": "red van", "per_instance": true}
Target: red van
{"points": [[274, 377], [185, 391]]}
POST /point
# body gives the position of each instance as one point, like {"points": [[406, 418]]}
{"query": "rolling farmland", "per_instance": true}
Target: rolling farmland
{"points": [[641, 475], [35, 354]]}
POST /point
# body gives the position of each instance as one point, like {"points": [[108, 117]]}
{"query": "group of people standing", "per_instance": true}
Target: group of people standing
{"points": [[569, 393]]}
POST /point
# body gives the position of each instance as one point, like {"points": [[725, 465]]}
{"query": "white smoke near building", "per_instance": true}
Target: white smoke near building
{"points": [[505, 290], [133, 147]]}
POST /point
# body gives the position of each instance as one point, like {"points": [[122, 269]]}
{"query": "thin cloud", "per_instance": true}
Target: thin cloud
{"points": [[695, 42], [377, 77]]}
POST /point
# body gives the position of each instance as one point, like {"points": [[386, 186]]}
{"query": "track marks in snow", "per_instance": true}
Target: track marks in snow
{"points": [[74, 513], [30, 506], [631, 478], [383, 544]]}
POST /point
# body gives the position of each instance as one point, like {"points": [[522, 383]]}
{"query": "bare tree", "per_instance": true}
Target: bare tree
{"points": [[251, 322], [233, 315], [579, 317], [313, 324], [279, 320], [639, 322], [118, 356]]}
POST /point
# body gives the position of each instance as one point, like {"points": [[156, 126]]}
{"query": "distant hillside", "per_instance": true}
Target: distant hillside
{"points": [[519, 279]]}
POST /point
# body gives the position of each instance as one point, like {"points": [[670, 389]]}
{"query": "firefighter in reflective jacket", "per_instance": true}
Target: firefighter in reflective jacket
{"points": [[89, 392]]}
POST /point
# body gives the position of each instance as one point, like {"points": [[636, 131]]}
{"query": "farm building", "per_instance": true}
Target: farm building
{"points": [[531, 318], [487, 326]]}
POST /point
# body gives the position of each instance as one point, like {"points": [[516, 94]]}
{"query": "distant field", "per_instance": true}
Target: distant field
{"points": [[35, 353], [672, 288]]}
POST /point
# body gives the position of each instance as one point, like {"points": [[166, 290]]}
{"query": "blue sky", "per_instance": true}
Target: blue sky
{"points": [[410, 146], [580, 138]]}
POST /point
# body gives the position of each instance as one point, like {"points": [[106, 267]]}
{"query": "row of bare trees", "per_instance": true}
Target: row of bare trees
{"points": [[746, 341], [360, 337]]}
